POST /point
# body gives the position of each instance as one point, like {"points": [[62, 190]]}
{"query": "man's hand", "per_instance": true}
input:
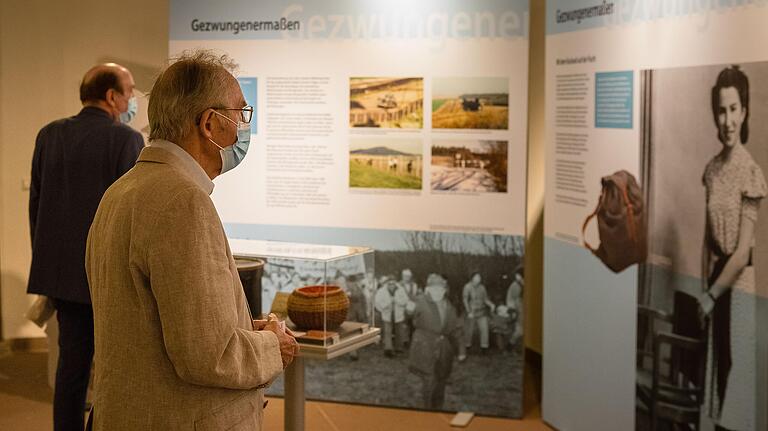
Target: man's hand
{"points": [[410, 307], [289, 348], [259, 324]]}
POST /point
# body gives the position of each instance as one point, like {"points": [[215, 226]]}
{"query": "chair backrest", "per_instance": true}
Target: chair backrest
{"points": [[649, 322]]}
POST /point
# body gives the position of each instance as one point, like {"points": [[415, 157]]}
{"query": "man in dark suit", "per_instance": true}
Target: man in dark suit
{"points": [[436, 339], [75, 160]]}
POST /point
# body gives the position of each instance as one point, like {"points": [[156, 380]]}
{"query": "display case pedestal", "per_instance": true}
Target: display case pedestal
{"points": [[295, 396]]}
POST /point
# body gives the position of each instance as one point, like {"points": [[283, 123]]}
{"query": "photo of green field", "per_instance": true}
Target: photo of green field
{"points": [[385, 164], [395, 103], [470, 103]]}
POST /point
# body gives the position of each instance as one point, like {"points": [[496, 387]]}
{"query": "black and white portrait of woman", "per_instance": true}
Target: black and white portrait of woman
{"points": [[702, 294], [735, 186]]}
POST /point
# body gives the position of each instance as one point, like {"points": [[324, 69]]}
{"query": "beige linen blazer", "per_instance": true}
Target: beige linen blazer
{"points": [[175, 347]]}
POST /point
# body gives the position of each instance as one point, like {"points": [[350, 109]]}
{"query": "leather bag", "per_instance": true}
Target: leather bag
{"points": [[621, 223]]}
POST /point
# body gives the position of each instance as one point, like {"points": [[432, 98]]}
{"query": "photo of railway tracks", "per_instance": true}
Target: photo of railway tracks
{"points": [[470, 103], [469, 166], [386, 102]]}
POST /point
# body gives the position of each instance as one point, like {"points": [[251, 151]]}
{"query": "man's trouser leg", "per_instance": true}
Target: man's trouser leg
{"points": [[482, 325], [427, 389], [438, 393], [469, 331], [388, 327], [401, 335], [433, 391], [74, 367]]}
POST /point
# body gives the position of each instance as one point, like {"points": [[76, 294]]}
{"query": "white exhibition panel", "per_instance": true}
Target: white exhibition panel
{"points": [[395, 125], [590, 313]]}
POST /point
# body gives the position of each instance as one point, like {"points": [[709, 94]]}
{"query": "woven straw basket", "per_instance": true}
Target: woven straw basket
{"points": [[309, 306]]}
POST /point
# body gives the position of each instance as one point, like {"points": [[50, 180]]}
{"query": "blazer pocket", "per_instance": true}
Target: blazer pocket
{"points": [[238, 414], [422, 355]]}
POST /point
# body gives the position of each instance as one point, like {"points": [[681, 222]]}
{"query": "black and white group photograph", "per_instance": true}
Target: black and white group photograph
{"points": [[450, 310]]}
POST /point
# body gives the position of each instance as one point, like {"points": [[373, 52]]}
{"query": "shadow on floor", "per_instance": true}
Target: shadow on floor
{"points": [[25, 375]]}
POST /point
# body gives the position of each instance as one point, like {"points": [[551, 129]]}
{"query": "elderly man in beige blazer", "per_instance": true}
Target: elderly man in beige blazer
{"points": [[175, 345]]}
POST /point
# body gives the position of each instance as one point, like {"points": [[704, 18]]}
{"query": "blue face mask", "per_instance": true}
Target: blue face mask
{"points": [[133, 107], [232, 155]]}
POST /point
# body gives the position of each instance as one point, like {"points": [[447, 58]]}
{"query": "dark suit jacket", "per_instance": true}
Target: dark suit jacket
{"points": [[434, 341], [76, 159]]}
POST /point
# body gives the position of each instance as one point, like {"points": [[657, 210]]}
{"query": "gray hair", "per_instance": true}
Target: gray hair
{"points": [[192, 83]]}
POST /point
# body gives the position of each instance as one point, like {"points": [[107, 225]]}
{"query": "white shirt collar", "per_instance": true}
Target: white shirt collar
{"points": [[187, 163]]}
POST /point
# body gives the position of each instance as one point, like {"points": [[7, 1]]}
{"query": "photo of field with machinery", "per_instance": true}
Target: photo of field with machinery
{"points": [[395, 103], [470, 103]]}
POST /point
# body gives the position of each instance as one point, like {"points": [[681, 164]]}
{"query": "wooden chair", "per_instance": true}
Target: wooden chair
{"points": [[671, 390]]}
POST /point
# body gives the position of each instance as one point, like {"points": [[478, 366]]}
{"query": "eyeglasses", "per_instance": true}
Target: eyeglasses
{"points": [[246, 113]]}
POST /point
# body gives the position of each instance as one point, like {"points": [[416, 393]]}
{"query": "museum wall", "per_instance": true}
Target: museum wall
{"points": [[1, 158], [45, 49]]}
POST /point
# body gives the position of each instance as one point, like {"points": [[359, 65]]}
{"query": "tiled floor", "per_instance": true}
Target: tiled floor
{"points": [[25, 405]]}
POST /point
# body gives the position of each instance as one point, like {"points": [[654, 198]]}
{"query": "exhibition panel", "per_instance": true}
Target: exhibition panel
{"points": [[656, 233], [398, 126]]}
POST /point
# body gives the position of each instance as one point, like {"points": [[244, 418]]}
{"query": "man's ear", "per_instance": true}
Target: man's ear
{"points": [[205, 125], [109, 97]]}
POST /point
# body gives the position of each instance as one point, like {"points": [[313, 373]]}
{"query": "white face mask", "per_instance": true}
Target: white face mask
{"points": [[437, 293]]}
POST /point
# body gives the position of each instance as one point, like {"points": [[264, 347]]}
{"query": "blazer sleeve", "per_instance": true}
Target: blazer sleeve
{"points": [[130, 153], [456, 330], [34, 186], [190, 278]]}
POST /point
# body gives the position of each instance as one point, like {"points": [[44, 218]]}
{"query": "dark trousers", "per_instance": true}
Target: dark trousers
{"points": [[74, 367], [433, 391]]}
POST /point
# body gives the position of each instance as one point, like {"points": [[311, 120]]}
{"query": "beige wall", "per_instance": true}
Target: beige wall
{"points": [[46, 46], [1, 171]]}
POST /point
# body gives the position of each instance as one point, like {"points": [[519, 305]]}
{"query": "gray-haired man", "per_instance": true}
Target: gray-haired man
{"points": [[175, 343]]}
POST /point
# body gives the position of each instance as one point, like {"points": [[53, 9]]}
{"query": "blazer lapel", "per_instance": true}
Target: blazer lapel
{"points": [[436, 315]]}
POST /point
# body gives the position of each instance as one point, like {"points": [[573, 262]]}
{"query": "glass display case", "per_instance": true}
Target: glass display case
{"points": [[324, 293]]}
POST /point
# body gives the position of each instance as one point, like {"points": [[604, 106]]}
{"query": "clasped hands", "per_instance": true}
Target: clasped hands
{"points": [[289, 348]]}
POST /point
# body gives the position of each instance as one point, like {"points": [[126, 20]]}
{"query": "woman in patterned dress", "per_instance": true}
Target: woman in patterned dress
{"points": [[735, 185]]}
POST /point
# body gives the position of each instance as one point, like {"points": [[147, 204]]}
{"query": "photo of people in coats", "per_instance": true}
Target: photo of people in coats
{"points": [[450, 311], [702, 295], [390, 303]]}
